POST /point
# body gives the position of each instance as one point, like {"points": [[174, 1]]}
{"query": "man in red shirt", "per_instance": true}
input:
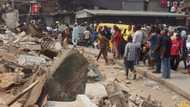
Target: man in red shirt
{"points": [[175, 51]]}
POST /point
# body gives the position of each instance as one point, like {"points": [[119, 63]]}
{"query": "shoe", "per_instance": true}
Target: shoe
{"points": [[127, 78], [135, 77], [150, 68], [156, 72]]}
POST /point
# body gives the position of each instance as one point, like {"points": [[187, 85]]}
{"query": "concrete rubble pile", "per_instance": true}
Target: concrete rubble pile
{"points": [[94, 74], [23, 58], [34, 65], [119, 96]]}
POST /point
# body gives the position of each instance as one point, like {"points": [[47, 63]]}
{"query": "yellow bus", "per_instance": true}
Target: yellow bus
{"points": [[125, 29]]}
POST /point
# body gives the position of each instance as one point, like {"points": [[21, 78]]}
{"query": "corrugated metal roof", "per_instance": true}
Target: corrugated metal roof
{"points": [[125, 13]]}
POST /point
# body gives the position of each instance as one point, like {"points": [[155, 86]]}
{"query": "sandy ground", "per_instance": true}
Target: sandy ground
{"points": [[141, 86]]}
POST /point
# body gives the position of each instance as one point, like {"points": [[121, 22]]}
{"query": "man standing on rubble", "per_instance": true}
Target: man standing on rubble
{"points": [[75, 34]]}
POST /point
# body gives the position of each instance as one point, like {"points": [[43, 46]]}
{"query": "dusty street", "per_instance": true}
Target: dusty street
{"points": [[142, 86]]}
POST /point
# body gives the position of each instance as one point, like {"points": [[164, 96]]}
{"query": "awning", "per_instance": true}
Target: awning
{"points": [[91, 13]]}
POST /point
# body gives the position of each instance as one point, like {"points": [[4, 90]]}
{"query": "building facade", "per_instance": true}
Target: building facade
{"points": [[139, 5]]}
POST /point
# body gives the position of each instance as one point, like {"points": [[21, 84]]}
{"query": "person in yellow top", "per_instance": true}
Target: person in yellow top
{"points": [[128, 32]]}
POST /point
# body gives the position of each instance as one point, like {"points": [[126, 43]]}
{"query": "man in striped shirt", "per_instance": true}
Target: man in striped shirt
{"points": [[130, 57]]}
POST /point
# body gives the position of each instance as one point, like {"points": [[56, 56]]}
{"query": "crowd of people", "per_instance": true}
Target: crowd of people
{"points": [[161, 46]]}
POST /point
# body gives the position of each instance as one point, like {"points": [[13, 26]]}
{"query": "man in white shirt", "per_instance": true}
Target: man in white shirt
{"points": [[87, 35], [138, 41]]}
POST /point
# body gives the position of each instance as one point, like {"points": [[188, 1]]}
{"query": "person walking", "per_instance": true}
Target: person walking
{"points": [[138, 39], [184, 50], [188, 62], [75, 35], [87, 36], [122, 47], [154, 48], [165, 54], [103, 44], [66, 34], [130, 57], [175, 50], [116, 42]]}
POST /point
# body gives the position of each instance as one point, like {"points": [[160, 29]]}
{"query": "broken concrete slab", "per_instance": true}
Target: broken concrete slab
{"points": [[119, 96], [7, 79], [94, 74], [4, 98], [32, 47], [30, 60], [62, 104], [70, 78], [85, 101], [95, 90], [139, 101], [81, 101], [11, 18]]}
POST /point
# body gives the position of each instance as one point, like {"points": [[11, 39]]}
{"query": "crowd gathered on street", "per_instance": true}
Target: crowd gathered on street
{"points": [[160, 46]]}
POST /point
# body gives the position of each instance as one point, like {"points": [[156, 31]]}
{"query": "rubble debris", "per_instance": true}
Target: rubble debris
{"points": [[47, 43], [58, 46], [119, 96], [33, 29], [81, 101], [25, 60], [49, 53], [11, 18], [95, 91], [8, 79], [94, 74], [85, 101], [5, 98], [70, 78], [7, 37], [22, 52], [138, 101]]}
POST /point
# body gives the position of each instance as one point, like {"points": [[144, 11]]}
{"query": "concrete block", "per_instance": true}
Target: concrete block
{"points": [[85, 101], [81, 101], [95, 90]]}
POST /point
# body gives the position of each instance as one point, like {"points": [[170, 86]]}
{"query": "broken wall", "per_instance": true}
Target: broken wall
{"points": [[69, 79], [11, 19]]}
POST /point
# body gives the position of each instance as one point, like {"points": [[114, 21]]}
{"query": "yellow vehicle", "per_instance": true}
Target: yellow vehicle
{"points": [[184, 104], [126, 30]]}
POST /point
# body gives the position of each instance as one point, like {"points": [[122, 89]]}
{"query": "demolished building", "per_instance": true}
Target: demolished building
{"points": [[30, 64]]}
